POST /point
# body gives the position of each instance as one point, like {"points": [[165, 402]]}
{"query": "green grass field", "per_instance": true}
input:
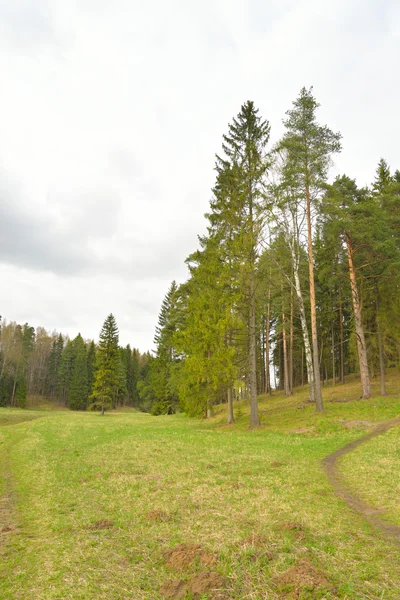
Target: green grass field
{"points": [[93, 507]]}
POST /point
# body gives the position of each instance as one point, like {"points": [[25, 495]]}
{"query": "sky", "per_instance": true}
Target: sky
{"points": [[111, 114]]}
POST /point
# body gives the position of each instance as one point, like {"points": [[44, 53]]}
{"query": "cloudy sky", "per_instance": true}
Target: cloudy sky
{"points": [[112, 111]]}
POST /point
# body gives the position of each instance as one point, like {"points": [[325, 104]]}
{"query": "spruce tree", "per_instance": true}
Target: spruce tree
{"points": [[78, 385], [163, 375], [91, 366], [106, 381], [246, 163]]}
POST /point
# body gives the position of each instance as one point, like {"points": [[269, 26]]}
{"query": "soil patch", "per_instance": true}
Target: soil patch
{"points": [[184, 555], [303, 576], [303, 430], [158, 515], [173, 588], [356, 424], [207, 583], [103, 524], [277, 463], [7, 529], [369, 513]]}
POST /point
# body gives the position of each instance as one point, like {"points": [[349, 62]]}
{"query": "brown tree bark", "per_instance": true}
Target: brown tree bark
{"points": [[285, 357], [361, 346], [291, 339], [341, 337], [333, 357], [380, 347], [231, 417], [267, 328], [314, 331]]}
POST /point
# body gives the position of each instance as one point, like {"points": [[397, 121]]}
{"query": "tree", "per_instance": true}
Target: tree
{"points": [[346, 210], [309, 148], [106, 380], [245, 163], [162, 377], [91, 366], [78, 385]]}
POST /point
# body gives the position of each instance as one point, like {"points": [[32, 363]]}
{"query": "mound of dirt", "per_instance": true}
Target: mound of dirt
{"points": [[207, 583], [303, 576], [158, 515], [102, 524], [277, 463], [173, 588], [184, 555]]}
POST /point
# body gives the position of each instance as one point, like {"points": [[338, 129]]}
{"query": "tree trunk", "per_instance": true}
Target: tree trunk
{"points": [[267, 327], [380, 347], [291, 338], [306, 339], [285, 357], [231, 418], [333, 357], [361, 346], [341, 337], [314, 331], [254, 419]]}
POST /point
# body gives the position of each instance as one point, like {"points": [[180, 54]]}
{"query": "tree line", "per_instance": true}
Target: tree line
{"points": [[296, 276], [77, 373]]}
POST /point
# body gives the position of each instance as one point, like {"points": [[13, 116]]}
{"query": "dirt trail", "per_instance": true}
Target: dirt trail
{"points": [[352, 500]]}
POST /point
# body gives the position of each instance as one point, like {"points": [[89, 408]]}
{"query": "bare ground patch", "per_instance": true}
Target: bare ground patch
{"points": [[159, 516], [302, 577], [185, 555]]}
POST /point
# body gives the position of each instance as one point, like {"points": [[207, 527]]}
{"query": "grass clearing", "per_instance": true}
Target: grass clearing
{"points": [[96, 505]]}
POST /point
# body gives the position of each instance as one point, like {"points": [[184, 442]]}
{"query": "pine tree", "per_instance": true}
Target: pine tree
{"points": [[106, 381], [309, 148]]}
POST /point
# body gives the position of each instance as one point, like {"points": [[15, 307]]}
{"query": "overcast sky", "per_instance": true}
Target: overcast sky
{"points": [[112, 110]]}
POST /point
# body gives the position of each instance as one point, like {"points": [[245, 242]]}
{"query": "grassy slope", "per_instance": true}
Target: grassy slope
{"points": [[65, 472]]}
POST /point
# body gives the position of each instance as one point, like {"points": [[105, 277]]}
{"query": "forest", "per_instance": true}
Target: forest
{"points": [[296, 281]]}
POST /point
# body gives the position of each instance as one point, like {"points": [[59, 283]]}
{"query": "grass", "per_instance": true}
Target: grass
{"points": [[373, 470], [79, 490]]}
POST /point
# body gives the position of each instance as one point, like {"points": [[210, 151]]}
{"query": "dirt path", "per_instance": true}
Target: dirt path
{"points": [[369, 513]]}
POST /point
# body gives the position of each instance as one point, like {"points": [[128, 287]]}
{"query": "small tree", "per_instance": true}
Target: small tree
{"points": [[106, 380], [78, 387]]}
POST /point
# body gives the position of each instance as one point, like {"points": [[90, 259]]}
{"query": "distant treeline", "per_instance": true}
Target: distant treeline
{"points": [[64, 371]]}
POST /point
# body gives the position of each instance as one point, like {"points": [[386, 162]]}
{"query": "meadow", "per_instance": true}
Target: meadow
{"points": [[130, 506]]}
